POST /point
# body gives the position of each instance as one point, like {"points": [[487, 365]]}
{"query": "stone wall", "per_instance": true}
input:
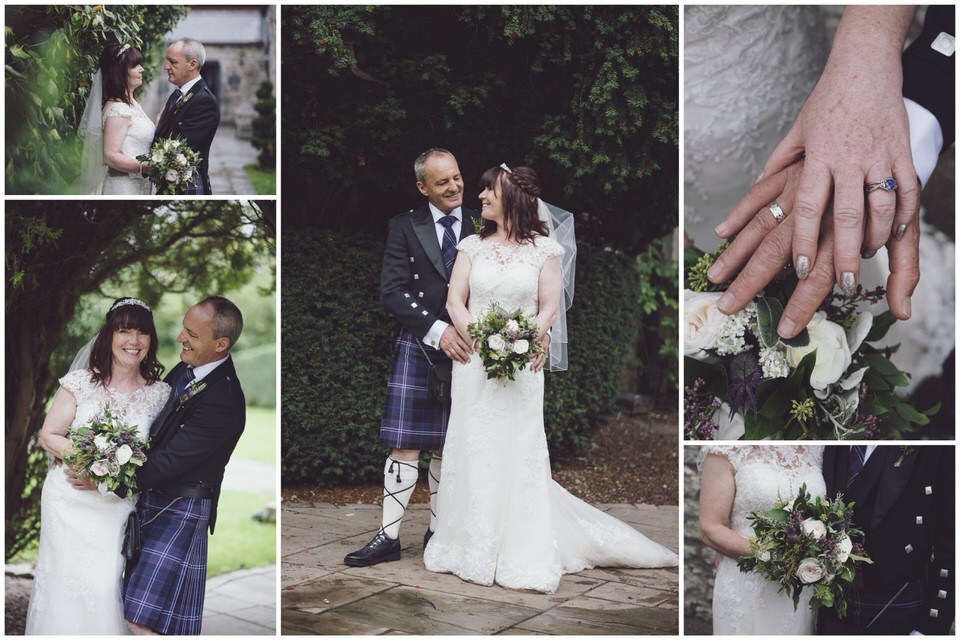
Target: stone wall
{"points": [[697, 557]]}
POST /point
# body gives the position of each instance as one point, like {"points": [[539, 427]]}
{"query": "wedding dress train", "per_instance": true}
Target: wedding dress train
{"points": [[501, 518], [746, 603], [77, 581]]}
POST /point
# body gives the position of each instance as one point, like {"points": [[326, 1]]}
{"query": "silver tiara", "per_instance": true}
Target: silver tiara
{"points": [[127, 301], [122, 50], [503, 165]]}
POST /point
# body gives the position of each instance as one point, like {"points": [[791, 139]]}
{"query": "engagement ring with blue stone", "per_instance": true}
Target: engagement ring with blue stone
{"points": [[887, 184]]}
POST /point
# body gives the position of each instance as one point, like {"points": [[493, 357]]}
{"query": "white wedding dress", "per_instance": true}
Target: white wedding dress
{"points": [[746, 603], [77, 581], [501, 518], [747, 73], [136, 142]]}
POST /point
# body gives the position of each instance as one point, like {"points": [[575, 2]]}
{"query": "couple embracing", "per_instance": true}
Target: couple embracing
{"points": [[496, 516], [903, 502], [193, 420], [117, 132]]}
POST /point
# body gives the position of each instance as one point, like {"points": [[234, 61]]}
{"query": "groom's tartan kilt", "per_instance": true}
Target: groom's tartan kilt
{"points": [[411, 418], [164, 590]]}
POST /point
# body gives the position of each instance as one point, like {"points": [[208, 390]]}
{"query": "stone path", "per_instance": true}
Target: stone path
{"points": [[241, 603], [322, 596], [228, 155]]}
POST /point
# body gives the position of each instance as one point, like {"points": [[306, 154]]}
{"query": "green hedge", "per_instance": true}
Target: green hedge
{"points": [[337, 347], [257, 370]]}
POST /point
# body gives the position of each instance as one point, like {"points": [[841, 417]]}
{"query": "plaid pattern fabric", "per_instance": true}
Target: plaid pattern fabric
{"points": [[164, 590], [411, 419], [195, 188], [863, 605]]}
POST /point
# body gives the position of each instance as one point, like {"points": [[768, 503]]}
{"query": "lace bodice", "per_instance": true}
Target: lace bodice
{"points": [[140, 134], [137, 408], [765, 474], [506, 275], [747, 72]]}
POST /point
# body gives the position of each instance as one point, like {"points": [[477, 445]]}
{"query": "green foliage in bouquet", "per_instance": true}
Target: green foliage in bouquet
{"points": [[807, 543], [829, 382], [107, 450], [507, 342], [173, 164]]}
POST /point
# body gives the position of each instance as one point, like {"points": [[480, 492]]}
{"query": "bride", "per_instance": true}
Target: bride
{"points": [[114, 127], [500, 516], [78, 575], [735, 481]]}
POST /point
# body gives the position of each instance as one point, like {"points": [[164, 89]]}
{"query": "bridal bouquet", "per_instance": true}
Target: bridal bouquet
{"points": [[172, 163], [107, 450], [508, 341], [807, 543], [829, 382]]}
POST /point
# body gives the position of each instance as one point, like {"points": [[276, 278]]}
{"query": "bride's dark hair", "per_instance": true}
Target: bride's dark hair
{"points": [[519, 189], [125, 315], [115, 61]]}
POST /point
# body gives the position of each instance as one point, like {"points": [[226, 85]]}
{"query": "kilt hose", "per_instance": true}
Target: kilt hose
{"points": [[411, 418], [164, 590]]}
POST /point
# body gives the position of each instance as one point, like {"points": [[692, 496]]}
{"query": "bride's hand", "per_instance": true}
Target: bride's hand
{"points": [[78, 480]]}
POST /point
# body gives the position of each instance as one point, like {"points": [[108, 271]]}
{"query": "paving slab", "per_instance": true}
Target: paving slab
{"points": [[322, 596]]}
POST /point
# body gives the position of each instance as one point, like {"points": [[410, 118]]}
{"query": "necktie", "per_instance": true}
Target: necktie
{"points": [[174, 99], [185, 378], [449, 246], [855, 460]]}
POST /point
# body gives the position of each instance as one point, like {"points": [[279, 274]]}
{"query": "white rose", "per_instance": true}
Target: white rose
{"points": [[496, 342], [181, 160], [814, 528], [156, 158], [521, 346], [844, 547], [99, 468], [513, 326], [124, 453], [833, 354], [810, 571], [102, 442], [166, 146], [702, 323], [857, 333], [175, 144], [765, 556], [171, 176], [730, 426]]}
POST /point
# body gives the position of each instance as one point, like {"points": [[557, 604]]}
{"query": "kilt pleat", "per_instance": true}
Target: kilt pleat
{"points": [[164, 590], [411, 418]]}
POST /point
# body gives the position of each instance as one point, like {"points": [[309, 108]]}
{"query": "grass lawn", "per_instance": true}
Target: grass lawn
{"points": [[264, 181], [240, 542], [259, 439]]}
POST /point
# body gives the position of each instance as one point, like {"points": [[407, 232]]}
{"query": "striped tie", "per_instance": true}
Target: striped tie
{"points": [[449, 246], [185, 378], [858, 454]]}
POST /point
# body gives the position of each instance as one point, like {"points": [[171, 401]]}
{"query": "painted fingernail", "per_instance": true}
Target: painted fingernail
{"points": [[848, 284], [802, 267], [866, 254], [726, 302], [786, 328], [905, 307], [721, 230], [898, 234], [713, 273]]}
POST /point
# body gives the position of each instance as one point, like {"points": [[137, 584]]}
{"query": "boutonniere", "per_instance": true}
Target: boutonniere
{"points": [[477, 224], [904, 452], [182, 101], [192, 389]]}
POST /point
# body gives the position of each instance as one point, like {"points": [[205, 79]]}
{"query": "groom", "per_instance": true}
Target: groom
{"points": [[190, 443], [421, 249], [905, 506], [191, 111]]}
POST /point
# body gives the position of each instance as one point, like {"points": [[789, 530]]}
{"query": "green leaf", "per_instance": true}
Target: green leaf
{"points": [[881, 324], [769, 310]]}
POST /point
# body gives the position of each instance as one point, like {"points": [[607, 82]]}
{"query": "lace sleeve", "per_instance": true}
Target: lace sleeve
{"points": [[118, 110], [78, 383], [549, 248], [713, 449], [470, 246]]}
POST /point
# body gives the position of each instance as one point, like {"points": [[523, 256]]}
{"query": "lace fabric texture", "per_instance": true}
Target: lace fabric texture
{"points": [[745, 603], [135, 143], [77, 582], [501, 518]]}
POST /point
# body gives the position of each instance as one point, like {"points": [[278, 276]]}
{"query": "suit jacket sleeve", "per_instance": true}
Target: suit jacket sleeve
{"points": [[929, 76], [215, 423], [201, 120], [939, 595], [396, 280]]}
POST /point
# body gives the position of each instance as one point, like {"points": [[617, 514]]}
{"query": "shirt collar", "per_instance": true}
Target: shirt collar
{"points": [[437, 214], [199, 373], [185, 89]]}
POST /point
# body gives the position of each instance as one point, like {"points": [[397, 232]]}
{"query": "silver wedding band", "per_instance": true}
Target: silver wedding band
{"points": [[887, 184], [777, 212]]}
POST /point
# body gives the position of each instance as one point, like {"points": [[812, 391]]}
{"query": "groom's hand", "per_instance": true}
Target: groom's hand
{"points": [[453, 344]]}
